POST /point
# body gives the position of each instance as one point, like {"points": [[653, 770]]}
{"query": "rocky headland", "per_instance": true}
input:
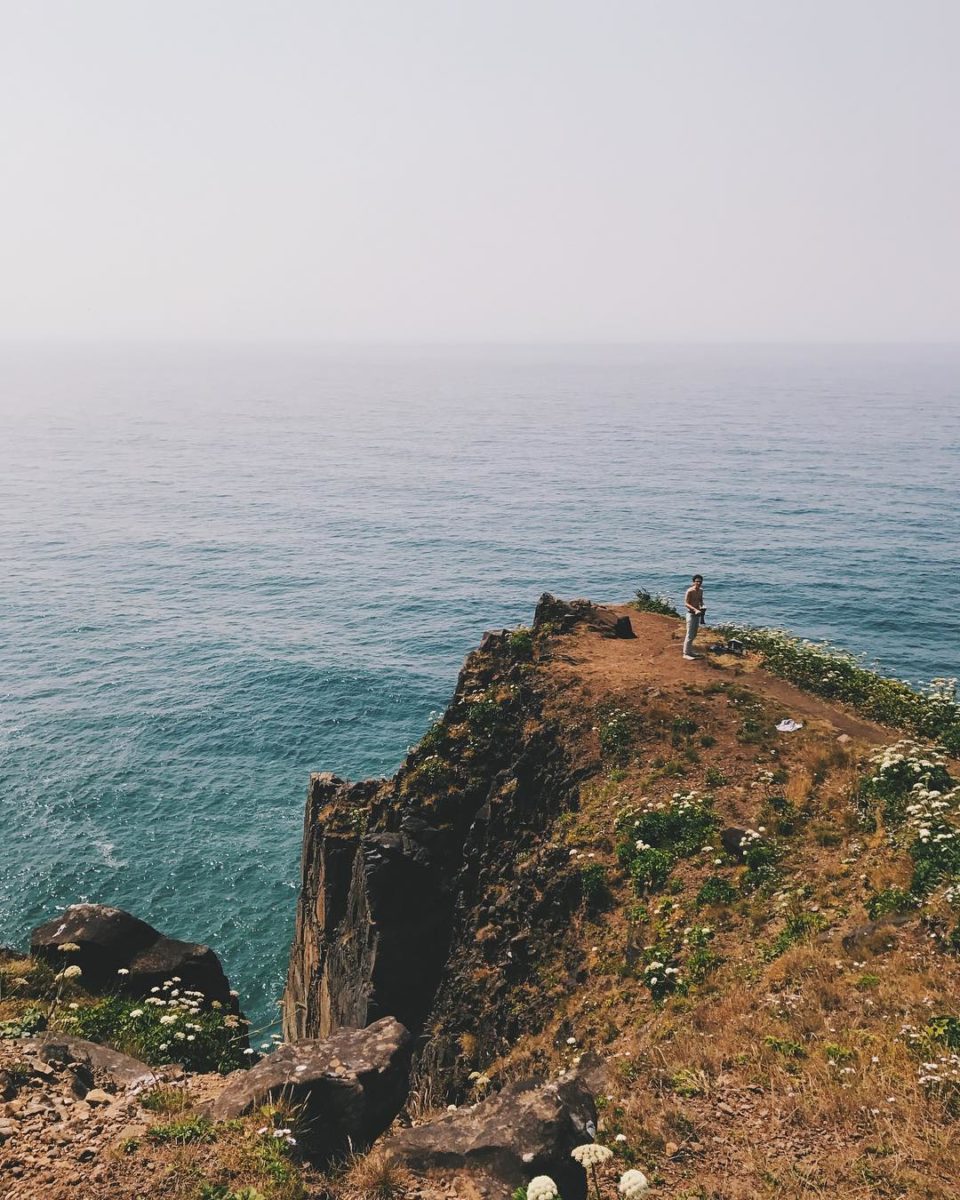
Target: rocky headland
{"points": [[604, 903]]}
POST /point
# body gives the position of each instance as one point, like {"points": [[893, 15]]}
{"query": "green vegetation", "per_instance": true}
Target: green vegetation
{"points": [[800, 926], [701, 959], [762, 857], [189, 1130], [29, 1022], [617, 730], [656, 838], [890, 900], [785, 1047], [715, 778], [220, 1191], [920, 806], [520, 644], [646, 602], [594, 888], [715, 890], [172, 1027], [838, 675]]}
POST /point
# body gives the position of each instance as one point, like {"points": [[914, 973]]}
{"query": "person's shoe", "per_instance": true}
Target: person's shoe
{"points": [[691, 657]]}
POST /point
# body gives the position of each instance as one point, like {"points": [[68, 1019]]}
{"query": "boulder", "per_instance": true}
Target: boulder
{"points": [[350, 1086], [494, 639], [111, 940], [527, 1129], [875, 937], [565, 614], [94, 1064], [731, 839]]}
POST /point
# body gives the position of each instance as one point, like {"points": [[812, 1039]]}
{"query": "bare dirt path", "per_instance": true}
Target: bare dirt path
{"points": [[654, 658]]}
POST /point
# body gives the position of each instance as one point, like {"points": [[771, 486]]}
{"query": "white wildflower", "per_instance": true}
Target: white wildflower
{"points": [[592, 1154], [542, 1187], [633, 1184]]}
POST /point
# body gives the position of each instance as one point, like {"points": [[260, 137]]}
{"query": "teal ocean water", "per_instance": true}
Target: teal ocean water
{"points": [[225, 568]]}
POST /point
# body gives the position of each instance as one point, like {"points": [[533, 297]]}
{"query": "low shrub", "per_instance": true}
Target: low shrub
{"points": [[617, 729], [170, 1026], [890, 900], [762, 858], [799, 927], [520, 644], [647, 602], [715, 890], [182, 1133], [26, 1024], [594, 887], [656, 837]]}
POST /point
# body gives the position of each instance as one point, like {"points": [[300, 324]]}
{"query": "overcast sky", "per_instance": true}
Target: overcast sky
{"points": [[559, 170]]}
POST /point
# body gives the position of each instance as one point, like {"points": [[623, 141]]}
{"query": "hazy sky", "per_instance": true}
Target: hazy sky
{"points": [[625, 170]]}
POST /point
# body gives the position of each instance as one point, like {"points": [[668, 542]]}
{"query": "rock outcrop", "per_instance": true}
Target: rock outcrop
{"points": [[96, 1065], [118, 952], [408, 905], [348, 1087], [525, 1130]]}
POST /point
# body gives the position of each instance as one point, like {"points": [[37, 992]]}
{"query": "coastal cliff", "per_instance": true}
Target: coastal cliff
{"points": [[417, 891], [602, 848], [619, 919]]}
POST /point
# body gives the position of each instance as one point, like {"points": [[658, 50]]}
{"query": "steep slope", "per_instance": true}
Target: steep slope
{"points": [[603, 846]]}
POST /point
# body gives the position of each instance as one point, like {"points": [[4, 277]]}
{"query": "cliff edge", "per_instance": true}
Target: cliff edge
{"points": [[600, 846]]}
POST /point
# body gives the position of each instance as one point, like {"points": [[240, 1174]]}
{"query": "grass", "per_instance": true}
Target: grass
{"points": [[182, 1132]]}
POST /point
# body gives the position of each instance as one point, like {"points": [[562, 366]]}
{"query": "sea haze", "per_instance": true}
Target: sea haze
{"points": [[224, 568]]}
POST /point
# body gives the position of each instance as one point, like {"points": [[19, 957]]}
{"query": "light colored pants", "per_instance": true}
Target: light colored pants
{"points": [[693, 624]]}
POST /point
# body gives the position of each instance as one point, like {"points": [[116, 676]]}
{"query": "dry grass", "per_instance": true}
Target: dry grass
{"points": [[374, 1176]]}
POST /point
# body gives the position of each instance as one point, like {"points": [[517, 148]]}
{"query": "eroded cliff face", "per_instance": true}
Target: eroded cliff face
{"points": [[419, 893]]}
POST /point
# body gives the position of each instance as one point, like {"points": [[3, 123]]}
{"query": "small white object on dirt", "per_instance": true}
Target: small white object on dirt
{"points": [[788, 725]]}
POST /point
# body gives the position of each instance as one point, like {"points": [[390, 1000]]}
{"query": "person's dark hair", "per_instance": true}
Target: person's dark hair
{"points": [[698, 579]]}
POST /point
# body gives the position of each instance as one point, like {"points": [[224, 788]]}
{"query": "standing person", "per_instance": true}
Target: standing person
{"points": [[695, 614]]}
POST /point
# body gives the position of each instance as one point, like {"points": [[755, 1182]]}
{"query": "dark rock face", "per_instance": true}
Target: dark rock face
{"points": [[527, 1129], [111, 940], [565, 614], [372, 936], [351, 1085], [732, 841], [417, 891], [95, 1064]]}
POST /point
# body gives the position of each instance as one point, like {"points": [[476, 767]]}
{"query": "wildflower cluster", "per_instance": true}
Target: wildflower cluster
{"points": [[661, 978], [172, 1024], [542, 1187], [633, 1183], [922, 802], [938, 1044], [898, 769], [761, 855], [660, 833], [616, 729]]}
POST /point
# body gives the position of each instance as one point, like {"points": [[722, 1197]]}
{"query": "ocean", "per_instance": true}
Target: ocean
{"points": [[226, 567]]}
